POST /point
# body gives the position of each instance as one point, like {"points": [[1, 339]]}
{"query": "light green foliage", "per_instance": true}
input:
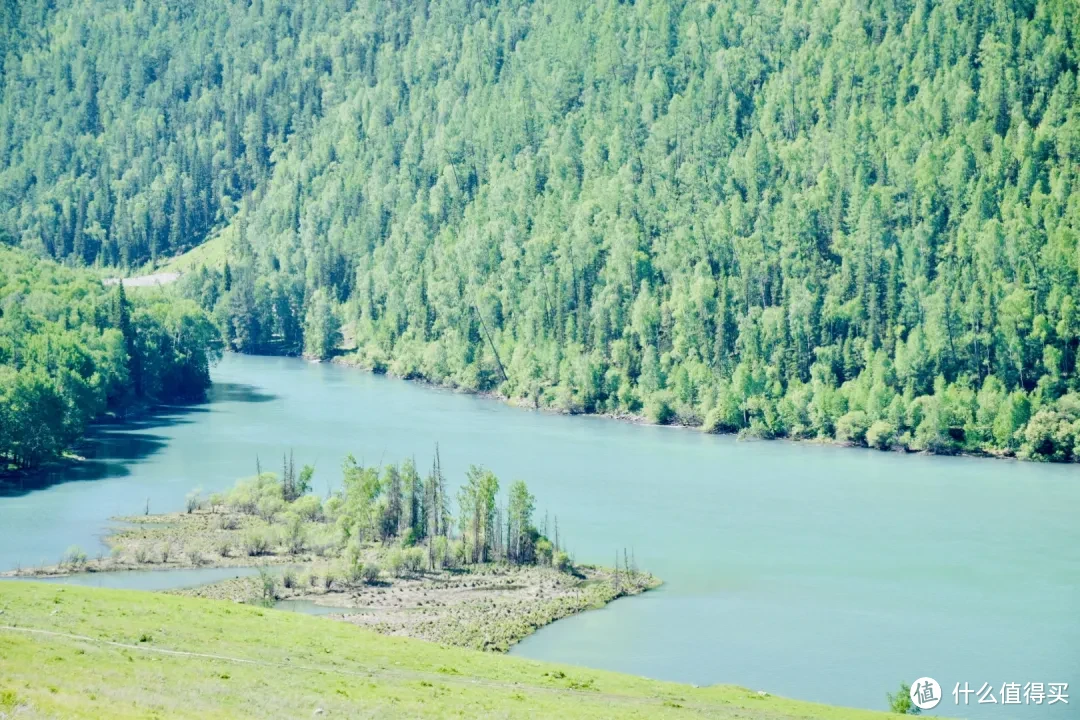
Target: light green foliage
{"points": [[268, 587], [359, 513], [402, 678], [370, 572], [520, 531], [852, 427], [1053, 435], [900, 702], [257, 542], [715, 228], [216, 501], [74, 556], [321, 327], [193, 500], [268, 507], [308, 507], [71, 350], [295, 534], [351, 562], [414, 560], [476, 501], [394, 562], [881, 435], [248, 495]]}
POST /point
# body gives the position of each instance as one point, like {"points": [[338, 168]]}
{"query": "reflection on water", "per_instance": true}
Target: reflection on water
{"points": [[238, 392]]}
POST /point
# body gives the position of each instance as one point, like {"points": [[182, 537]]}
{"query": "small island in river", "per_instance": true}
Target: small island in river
{"points": [[382, 552]]}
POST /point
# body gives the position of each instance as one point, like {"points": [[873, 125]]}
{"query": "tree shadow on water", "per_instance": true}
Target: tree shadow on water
{"points": [[107, 450], [110, 447], [238, 392]]}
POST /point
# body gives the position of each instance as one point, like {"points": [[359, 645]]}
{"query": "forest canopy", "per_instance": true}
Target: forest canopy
{"points": [[806, 219], [72, 350]]}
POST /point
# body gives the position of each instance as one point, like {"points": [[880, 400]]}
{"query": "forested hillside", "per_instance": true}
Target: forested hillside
{"points": [[70, 350], [806, 219]]}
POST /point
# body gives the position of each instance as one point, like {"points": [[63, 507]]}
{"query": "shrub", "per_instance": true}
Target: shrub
{"points": [[256, 542], [166, 552], [215, 501], [370, 573], [852, 426], [440, 549], [457, 554], [395, 562], [351, 574], [308, 507], [881, 435], [900, 703], [658, 409], [247, 494], [223, 547], [268, 507], [352, 567], [414, 559], [295, 534], [74, 556], [288, 578], [561, 562], [544, 551], [1049, 435], [194, 500], [195, 557], [8, 699], [268, 586], [333, 507], [329, 578], [142, 555], [228, 522]]}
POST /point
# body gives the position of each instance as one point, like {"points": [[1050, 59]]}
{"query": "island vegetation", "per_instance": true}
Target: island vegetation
{"points": [[383, 551], [854, 222], [72, 350]]}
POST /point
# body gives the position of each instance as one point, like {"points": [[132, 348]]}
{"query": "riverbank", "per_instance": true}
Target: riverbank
{"points": [[490, 607], [394, 591], [129, 654], [354, 359]]}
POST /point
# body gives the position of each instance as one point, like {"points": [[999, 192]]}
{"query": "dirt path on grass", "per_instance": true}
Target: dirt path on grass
{"points": [[384, 673], [163, 278]]}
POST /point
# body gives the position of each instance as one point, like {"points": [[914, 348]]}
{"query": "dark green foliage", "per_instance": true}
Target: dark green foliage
{"points": [[838, 220], [71, 349]]}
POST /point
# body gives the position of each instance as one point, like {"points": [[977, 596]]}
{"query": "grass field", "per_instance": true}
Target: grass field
{"points": [[77, 652]]}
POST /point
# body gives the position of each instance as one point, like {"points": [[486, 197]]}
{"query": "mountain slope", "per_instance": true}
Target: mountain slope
{"points": [[782, 218]]}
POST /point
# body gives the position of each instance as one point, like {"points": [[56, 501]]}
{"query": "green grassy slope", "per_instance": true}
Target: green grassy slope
{"points": [[81, 652]]}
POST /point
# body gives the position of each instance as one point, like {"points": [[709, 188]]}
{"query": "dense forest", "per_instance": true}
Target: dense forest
{"points": [[72, 350], [812, 220]]}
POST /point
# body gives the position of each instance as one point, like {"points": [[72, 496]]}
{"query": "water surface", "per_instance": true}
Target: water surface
{"points": [[811, 571]]}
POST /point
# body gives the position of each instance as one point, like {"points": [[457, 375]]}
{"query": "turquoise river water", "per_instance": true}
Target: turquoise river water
{"points": [[823, 573]]}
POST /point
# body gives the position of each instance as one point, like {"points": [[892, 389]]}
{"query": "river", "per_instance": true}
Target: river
{"points": [[817, 572]]}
